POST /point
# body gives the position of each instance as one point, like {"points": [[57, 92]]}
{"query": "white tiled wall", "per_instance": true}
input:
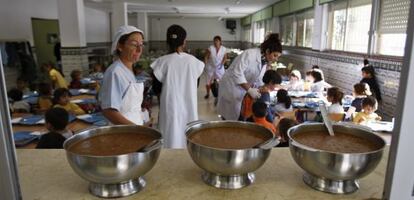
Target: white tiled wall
{"points": [[74, 59]]}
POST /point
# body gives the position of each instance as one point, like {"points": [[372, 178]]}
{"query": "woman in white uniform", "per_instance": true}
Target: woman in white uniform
{"points": [[245, 75], [178, 72], [215, 58], [120, 95]]}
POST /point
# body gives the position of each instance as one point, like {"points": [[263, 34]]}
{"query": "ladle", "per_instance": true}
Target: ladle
{"points": [[326, 120]]}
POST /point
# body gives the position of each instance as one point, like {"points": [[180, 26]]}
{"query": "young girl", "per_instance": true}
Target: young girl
{"points": [[61, 99], [18, 104], [318, 84], [335, 97], [282, 128], [76, 76], [369, 106], [97, 73], [284, 103], [361, 91], [295, 81], [271, 80], [45, 97], [368, 77]]}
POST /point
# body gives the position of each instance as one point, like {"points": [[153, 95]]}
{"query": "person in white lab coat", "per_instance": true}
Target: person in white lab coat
{"points": [[245, 75], [120, 95], [178, 73], [214, 59]]}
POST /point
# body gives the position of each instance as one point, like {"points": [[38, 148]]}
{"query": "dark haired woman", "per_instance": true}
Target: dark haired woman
{"points": [[245, 75], [368, 77], [214, 59], [178, 72], [121, 95]]}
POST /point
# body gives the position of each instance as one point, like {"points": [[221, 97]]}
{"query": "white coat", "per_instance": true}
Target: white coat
{"points": [[246, 68], [121, 91], [178, 74], [214, 68]]}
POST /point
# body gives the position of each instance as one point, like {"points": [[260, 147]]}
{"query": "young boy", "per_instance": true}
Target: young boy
{"points": [[55, 76], [17, 104], [76, 76], [259, 115], [56, 121], [369, 106]]}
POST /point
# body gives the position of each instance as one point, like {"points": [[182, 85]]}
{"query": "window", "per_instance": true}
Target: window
{"points": [[287, 25], [349, 25], [259, 32], [247, 32], [392, 27], [304, 29]]}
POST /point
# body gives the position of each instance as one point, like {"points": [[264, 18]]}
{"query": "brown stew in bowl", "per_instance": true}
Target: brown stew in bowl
{"points": [[111, 144], [228, 138], [341, 142]]}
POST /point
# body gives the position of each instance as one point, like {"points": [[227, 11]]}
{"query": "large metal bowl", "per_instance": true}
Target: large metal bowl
{"points": [[334, 172], [229, 168], [119, 175]]}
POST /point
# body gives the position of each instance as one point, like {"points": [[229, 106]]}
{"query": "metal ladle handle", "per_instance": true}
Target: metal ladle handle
{"points": [[326, 120]]}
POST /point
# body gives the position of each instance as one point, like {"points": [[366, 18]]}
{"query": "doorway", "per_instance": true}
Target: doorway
{"points": [[45, 37]]}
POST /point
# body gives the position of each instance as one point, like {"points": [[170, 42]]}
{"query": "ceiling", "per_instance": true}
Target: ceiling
{"points": [[188, 8]]}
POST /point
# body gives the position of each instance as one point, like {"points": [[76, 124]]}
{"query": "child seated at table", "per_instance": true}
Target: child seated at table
{"points": [[369, 106], [334, 96], [76, 76], [271, 80], [17, 104], [97, 73], [283, 103], [295, 81], [259, 116], [282, 128], [45, 97], [61, 99], [318, 84], [308, 81], [21, 84], [56, 120], [360, 92]]}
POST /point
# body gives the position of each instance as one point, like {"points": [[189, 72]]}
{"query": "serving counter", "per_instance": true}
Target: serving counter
{"points": [[46, 174]]}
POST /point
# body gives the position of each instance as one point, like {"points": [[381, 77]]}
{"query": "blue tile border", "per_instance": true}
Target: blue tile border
{"points": [[380, 64]]}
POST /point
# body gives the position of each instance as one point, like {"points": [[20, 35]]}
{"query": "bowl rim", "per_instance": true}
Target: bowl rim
{"points": [[199, 123], [85, 131], [308, 148]]}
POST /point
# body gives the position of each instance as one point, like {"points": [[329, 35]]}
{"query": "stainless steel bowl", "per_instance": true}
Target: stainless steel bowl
{"points": [[229, 168], [119, 175], [334, 172]]}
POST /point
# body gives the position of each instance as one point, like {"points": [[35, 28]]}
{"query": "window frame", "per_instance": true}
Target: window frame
{"points": [[294, 17]]}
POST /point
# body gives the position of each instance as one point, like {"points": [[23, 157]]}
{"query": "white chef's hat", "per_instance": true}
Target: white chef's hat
{"points": [[296, 73], [123, 30]]}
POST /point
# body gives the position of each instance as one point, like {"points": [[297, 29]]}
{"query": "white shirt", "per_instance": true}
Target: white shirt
{"points": [[246, 68], [214, 67], [336, 108], [178, 74], [21, 105], [295, 85], [281, 108]]}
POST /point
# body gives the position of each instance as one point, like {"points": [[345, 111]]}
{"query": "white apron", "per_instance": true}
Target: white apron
{"points": [[214, 68], [246, 68], [131, 103]]}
